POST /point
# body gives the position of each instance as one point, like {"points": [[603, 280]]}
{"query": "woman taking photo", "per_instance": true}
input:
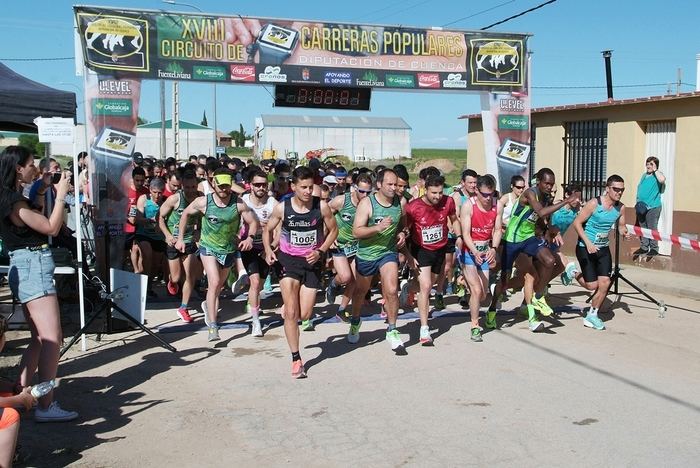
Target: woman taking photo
{"points": [[24, 232]]}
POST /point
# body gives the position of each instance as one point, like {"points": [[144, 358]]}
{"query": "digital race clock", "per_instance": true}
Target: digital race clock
{"points": [[322, 97]]}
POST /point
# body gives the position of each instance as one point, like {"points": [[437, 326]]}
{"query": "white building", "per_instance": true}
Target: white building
{"points": [[358, 138], [194, 139]]}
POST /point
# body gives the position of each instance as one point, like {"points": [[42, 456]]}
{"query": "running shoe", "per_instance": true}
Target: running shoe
{"points": [[239, 285], [206, 314], [425, 338], [460, 290], [214, 334], [541, 305], [256, 327], [354, 333], [464, 301], [569, 274], [476, 335], [491, 320], [593, 321], [522, 310], [403, 296], [184, 315], [298, 371], [394, 339], [343, 315], [268, 284], [307, 325], [439, 302], [535, 325], [54, 413], [332, 291], [173, 288]]}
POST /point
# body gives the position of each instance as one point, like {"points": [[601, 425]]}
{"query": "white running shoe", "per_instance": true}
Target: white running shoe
{"points": [[54, 413], [206, 314], [240, 284], [394, 339], [257, 328], [425, 338]]}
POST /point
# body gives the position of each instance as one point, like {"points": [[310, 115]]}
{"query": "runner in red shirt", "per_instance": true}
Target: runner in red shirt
{"points": [[135, 190], [428, 219], [481, 230]]}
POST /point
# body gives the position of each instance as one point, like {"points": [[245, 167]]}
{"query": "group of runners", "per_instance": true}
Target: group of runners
{"points": [[375, 228]]}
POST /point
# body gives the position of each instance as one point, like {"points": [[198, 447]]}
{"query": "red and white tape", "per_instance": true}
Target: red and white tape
{"points": [[677, 240]]}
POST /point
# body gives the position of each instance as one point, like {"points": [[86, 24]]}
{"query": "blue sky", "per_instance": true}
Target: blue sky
{"points": [[650, 41]]}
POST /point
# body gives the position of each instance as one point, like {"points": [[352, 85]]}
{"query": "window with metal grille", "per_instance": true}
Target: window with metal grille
{"points": [[585, 155], [531, 162]]}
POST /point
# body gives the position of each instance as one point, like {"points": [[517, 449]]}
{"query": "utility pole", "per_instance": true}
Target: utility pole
{"points": [[176, 119], [163, 149]]}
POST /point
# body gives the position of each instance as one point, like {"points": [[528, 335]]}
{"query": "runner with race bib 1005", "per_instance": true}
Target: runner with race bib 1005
{"points": [[302, 250]]}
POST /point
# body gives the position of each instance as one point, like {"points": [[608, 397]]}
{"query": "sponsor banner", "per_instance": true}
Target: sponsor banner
{"points": [[243, 73], [206, 47], [102, 106], [428, 80], [400, 81], [506, 124], [203, 72]]}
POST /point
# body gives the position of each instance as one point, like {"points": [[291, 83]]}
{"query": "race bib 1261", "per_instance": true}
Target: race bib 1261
{"points": [[432, 234]]}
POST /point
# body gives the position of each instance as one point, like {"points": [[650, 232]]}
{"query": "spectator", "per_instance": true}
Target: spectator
{"points": [[648, 207]]}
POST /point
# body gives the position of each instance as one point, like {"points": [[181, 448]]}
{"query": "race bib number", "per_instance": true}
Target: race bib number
{"points": [[303, 238], [432, 235], [132, 211], [601, 239], [482, 246], [350, 250]]}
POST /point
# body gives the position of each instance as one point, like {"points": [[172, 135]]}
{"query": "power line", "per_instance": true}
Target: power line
{"points": [[478, 13], [405, 9], [42, 59], [518, 15]]}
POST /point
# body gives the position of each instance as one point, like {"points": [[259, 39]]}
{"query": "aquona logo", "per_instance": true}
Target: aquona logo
{"points": [[272, 75], [369, 79], [201, 72], [454, 80], [115, 38], [174, 71]]}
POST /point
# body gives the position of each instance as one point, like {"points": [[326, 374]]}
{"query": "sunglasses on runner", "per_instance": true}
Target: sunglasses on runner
{"points": [[260, 185], [486, 195], [618, 189], [362, 191], [519, 187]]}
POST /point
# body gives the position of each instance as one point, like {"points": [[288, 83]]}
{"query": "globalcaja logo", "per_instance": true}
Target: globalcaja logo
{"points": [[369, 79], [428, 80], [272, 75], [338, 78], [513, 122], [112, 107], [202, 72], [174, 71], [454, 80], [243, 73], [400, 81]]}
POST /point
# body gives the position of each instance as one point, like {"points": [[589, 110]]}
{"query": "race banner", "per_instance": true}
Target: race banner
{"points": [[506, 125], [234, 49], [111, 109]]}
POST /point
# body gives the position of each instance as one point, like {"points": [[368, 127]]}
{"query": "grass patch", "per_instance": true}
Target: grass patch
{"points": [[424, 154]]}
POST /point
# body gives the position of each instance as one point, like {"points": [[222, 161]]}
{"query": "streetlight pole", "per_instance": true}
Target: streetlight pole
{"points": [[176, 109]]}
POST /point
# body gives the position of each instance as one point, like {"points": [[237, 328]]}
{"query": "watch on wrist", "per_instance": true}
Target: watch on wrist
{"points": [[276, 43], [512, 160]]}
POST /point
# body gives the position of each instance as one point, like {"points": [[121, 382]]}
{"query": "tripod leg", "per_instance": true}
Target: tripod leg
{"points": [[634, 286], [82, 331], [141, 326]]}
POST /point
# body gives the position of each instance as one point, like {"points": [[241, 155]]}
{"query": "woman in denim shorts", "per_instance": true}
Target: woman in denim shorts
{"points": [[24, 232]]}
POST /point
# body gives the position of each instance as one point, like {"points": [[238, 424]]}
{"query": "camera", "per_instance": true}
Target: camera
{"points": [[56, 177]]}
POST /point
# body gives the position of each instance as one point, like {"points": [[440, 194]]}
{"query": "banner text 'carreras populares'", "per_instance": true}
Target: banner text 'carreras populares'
{"points": [[202, 47]]}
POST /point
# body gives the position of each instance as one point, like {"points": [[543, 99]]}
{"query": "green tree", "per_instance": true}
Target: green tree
{"points": [[140, 120], [32, 143], [204, 120], [239, 136]]}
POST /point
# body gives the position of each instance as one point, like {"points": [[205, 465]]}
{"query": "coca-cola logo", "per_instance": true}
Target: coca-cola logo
{"points": [[242, 72], [428, 80]]}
